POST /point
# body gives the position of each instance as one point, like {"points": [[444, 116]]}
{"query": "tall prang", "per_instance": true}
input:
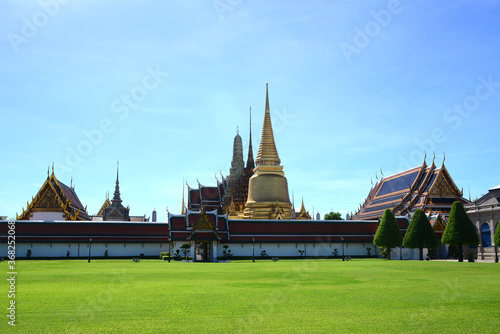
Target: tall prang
{"points": [[268, 188], [235, 203], [237, 164]]}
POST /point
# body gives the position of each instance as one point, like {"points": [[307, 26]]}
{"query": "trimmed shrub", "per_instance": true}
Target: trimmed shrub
{"points": [[388, 233], [459, 230], [420, 233]]}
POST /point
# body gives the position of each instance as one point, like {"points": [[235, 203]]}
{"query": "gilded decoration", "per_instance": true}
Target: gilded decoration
{"points": [[441, 187]]}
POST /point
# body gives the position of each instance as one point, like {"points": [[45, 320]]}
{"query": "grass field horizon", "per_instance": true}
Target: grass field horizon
{"points": [[313, 296]]}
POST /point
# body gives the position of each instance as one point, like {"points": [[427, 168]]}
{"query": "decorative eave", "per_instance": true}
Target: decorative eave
{"points": [[420, 190]]}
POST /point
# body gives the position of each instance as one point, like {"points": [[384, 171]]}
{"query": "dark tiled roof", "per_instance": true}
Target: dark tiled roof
{"points": [[424, 187]]}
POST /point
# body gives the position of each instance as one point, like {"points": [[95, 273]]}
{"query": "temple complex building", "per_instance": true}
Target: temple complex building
{"points": [[268, 188], [429, 188], [208, 198], [236, 197], [485, 214], [54, 201], [114, 210]]}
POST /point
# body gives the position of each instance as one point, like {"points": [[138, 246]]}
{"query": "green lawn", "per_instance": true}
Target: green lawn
{"points": [[313, 296]]}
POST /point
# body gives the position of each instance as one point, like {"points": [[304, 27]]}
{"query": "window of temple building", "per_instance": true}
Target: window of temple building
{"points": [[486, 235]]}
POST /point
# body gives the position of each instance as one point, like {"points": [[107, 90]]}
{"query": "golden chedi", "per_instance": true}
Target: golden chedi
{"points": [[268, 188]]}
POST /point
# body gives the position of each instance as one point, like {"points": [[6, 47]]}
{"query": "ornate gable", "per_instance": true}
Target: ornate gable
{"points": [[442, 187], [438, 223], [303, 214], [204, 225], [48, 200], [106, 203], [55, 196]]}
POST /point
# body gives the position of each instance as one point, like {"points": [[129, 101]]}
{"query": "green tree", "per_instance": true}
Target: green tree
{"points": [[186, 247], [333, 216], [420, 233], [388, 233], [459, 230]]}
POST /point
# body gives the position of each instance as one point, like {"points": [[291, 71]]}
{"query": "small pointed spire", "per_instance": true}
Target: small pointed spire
{"points": [[444, 158], [250, 161], [116, 197], [52, 167]]}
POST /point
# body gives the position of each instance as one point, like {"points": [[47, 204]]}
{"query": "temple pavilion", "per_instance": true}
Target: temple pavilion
{"points": [[429, 188]]}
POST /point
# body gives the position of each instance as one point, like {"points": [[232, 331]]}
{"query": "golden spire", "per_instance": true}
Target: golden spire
{"points": [[268, 155]]}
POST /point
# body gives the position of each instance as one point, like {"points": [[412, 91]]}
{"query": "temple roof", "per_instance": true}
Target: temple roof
{"points": [[116, 210], [106, 203], [58, 197], [268, 154], [205, 197], [422, 187]]}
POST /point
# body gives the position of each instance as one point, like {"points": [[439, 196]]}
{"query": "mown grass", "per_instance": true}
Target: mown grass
{"points": [[301, 296]]}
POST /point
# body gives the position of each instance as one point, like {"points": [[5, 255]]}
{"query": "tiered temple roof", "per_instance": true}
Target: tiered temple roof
{"points": [[429, 188], [55, 196], [116, 211], [207, 198]]}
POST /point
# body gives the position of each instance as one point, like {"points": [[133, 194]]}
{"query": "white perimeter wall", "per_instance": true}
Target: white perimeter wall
{"points": [[82, 249], [237, 249]]}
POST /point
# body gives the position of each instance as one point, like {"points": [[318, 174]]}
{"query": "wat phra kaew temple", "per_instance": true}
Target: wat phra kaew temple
{"points": [[248, 213]]}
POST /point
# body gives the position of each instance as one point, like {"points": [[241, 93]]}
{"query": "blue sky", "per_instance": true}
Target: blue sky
{"points": [[161, 86]]}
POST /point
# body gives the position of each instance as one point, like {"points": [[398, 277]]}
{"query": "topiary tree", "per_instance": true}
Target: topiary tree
{"points": [[420, 233], [388, 233], [333, 216], [186, 248], [459, 230]]}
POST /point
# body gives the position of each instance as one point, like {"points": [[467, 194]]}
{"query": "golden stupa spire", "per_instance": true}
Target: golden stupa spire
{"points": [[268, 155]]}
